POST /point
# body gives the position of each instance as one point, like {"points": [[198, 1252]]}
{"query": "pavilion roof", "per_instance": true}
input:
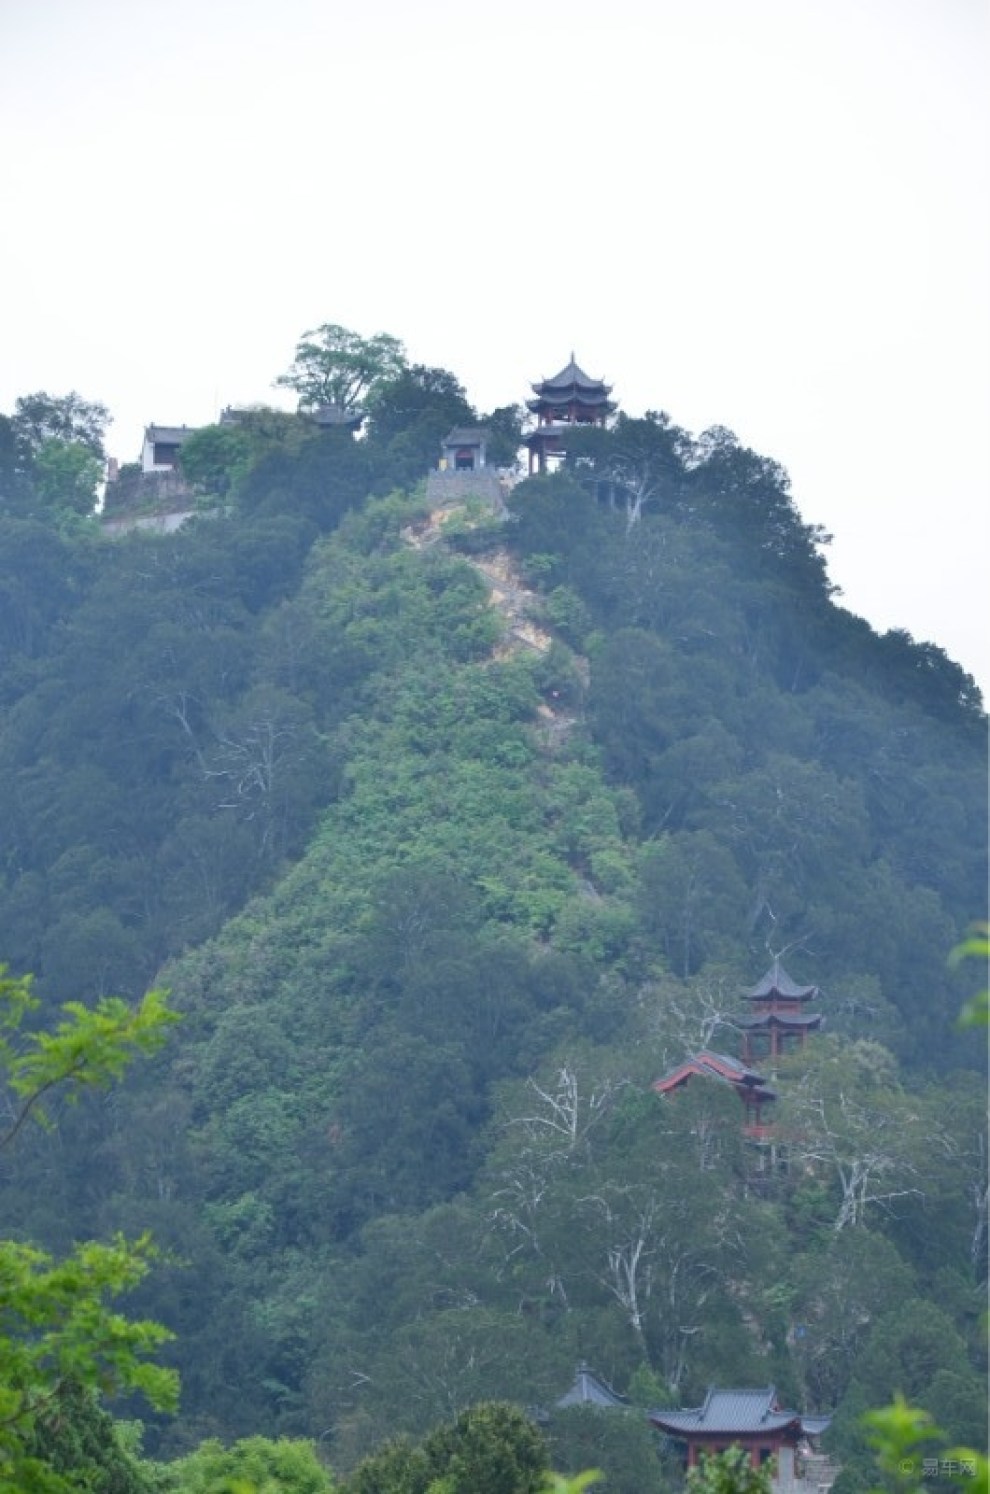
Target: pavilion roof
{"points": [[739, 1412], [589, 1390], [777, 982], [562, 399], [713, 1066], [465, 435], [780, 1019], [573, 379]]}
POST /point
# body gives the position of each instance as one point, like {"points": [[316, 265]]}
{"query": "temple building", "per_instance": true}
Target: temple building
{"points": [[567, 400], [463, 449], [777, 1022], [748, 1085], [755, 1421], [335, 418], [161, 446]]}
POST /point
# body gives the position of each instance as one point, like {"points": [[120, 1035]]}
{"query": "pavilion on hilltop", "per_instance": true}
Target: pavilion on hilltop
{"points": [[567, 400]]}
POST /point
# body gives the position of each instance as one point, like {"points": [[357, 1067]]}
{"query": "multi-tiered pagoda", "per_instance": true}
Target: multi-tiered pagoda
{"points": [[567, 400], [777, 1022]]}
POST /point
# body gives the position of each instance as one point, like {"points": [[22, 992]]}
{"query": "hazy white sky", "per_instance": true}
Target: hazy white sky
{"points": [[766, 214]]}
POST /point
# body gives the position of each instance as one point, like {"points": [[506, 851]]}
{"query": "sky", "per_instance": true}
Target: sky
{"points": [[771, 215]]}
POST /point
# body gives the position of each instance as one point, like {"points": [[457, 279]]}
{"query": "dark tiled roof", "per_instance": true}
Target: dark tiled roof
{"points": [[569, 398], [781, 1019], [465, 435], [737, 1412], [589, 1390], [728, 1068], [336, 415], [715, 1066], [777, 982], [728, 1411], [172, 435], [571, 377]]}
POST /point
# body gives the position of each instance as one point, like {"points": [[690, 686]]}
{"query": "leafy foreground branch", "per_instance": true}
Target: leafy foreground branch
{"points": [[59, 1333], [902, 1438]]}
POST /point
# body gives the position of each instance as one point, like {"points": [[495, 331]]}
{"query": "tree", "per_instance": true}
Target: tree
{"points": [[409, 415], [639, 460], [504, 426], [729, 1472], [415, 394], [492, 1448], [254, 1463], [58, 1332], [846, 1114], [66, 476], [215, 455], [78, 1441], [902, 1438], [334, 366], [68, 418], [622, 1446]]}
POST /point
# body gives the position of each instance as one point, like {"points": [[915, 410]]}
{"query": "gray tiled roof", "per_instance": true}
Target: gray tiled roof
{"points": [[781, 1019], [172, 435], [465, 435], [718, 1065], [715, 1060], [335, 415], [589, 1390], [740, 1412], [777, 982], [569, 376]]}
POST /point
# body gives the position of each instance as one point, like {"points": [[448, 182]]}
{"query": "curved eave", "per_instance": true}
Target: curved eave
{"points": [[571, 376], [589, 401], [689, 1426], [806, 1020], [777, 982]]}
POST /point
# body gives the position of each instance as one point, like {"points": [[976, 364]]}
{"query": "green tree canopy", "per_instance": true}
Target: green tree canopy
{"points": [[45, 417], [59, 1335], [259, 1464], [334, 366]]}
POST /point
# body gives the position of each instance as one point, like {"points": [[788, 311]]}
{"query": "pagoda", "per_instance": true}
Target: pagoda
{"points": [[777, 1022], [567, 400]]}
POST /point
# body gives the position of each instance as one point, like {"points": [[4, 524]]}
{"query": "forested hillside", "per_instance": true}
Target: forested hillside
{"points": [[438, 900]]}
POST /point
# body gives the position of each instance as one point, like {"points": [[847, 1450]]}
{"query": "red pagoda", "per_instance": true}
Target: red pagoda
{"points": [[567, 400], [777, 1022]]}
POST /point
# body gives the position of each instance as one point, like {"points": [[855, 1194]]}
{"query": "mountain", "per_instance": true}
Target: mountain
{"points": [[451, 830]]}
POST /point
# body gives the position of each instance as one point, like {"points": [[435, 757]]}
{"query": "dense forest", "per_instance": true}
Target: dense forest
{"points": [[450, 829]]}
